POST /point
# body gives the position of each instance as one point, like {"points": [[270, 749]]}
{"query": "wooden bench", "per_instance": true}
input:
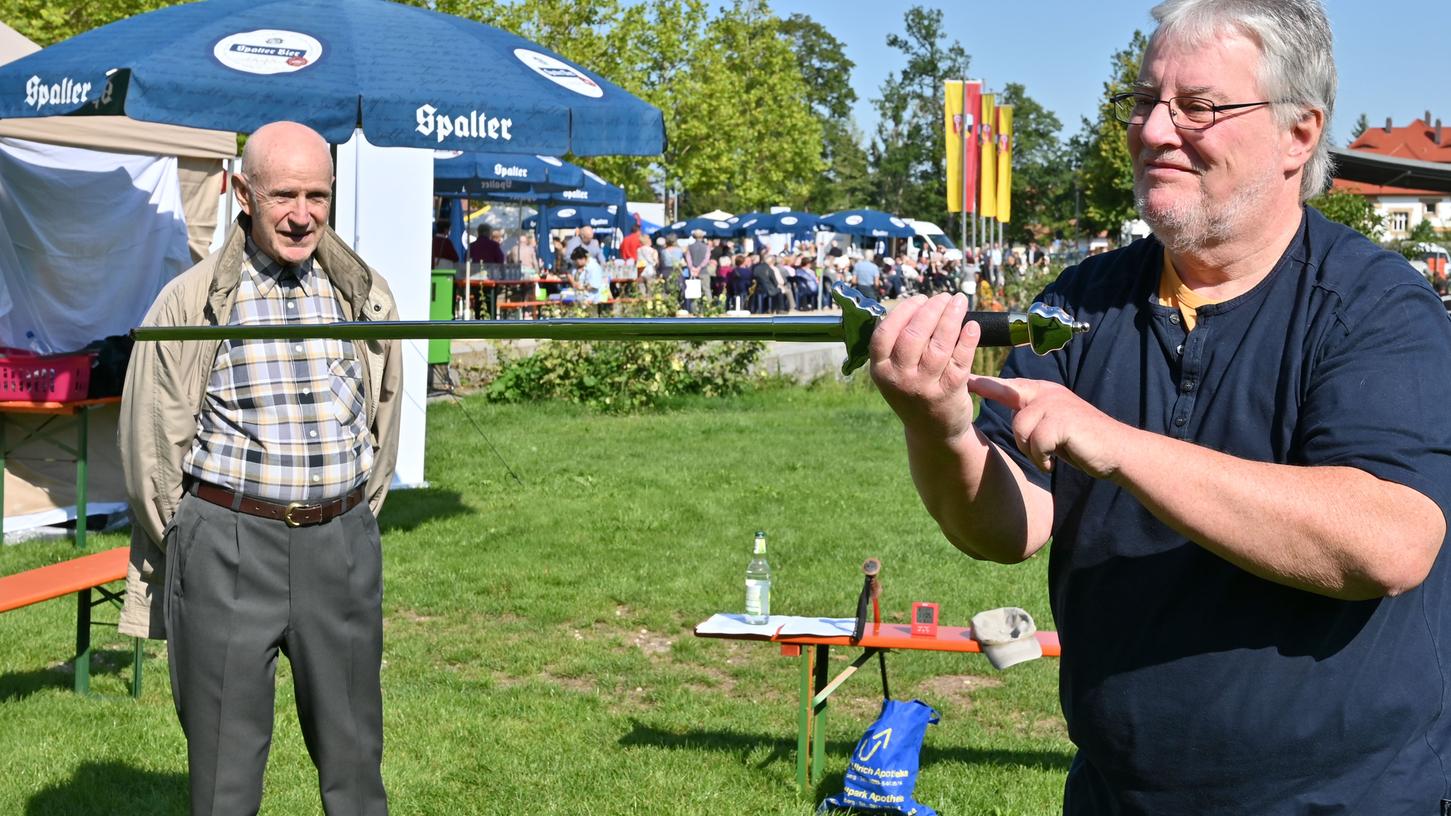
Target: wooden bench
{"points": [[816, 687], [78, 575]]}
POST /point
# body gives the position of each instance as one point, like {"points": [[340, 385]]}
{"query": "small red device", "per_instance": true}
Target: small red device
{"points": [[924, 619]]}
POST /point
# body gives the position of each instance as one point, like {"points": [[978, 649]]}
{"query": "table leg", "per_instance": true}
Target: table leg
{"points": [[818, 748], [805, 719], [83, 642], [83, 440], [2, 475]]}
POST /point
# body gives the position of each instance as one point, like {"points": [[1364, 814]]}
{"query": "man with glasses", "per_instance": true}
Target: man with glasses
{"points": [[1244, 466]]}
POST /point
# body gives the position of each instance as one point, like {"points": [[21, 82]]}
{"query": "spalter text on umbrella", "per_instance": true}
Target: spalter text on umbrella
{"points": [[473, 126], [66, 92]]}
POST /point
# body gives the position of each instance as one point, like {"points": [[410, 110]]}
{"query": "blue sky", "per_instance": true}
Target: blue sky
{"points": [[1394, 56]]}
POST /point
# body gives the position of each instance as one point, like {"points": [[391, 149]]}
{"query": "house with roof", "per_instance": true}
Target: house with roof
{"points": [[1403, 207]]}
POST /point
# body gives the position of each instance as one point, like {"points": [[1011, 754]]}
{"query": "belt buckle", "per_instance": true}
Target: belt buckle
{"points": [[287, 514]]}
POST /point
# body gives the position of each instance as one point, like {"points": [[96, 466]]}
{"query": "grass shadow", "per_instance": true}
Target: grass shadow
{"points": [[19, 685], [405, 510], [112, 787], [784, 749]]}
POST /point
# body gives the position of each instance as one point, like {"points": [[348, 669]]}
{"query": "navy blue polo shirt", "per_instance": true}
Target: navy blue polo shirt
{"points": [[1189, 685]]}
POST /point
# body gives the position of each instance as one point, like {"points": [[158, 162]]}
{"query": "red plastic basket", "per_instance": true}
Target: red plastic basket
{"points": [[44, 378]]}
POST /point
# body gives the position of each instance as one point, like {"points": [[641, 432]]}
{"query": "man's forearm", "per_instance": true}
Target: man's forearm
{"points": [[1335, 531], [979, 497]]}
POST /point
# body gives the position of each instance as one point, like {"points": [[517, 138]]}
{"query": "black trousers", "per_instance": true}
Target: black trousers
{"points": [[239, 589]]}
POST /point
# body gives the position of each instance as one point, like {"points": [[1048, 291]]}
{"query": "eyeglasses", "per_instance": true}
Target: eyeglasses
{"points": [[1186, 112]]}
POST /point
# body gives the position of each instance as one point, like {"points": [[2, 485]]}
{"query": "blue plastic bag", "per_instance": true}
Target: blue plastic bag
{"points": [[882, 773]]}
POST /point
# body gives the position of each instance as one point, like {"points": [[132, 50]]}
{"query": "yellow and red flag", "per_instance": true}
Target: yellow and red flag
{"points": [[989, 146], [1005, 163], [971, 147], [954, 125]]}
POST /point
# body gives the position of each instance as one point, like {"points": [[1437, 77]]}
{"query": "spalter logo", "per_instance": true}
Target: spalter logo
{"points": [[560, 73], [267, 51]]}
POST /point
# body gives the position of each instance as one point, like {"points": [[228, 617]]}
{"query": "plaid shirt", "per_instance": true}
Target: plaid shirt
{"points": [[283, 420]]}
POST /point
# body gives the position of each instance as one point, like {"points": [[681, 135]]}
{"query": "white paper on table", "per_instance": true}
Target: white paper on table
{"points": [[735, 624]]}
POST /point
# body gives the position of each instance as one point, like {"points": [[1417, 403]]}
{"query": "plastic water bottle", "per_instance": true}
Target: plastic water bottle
{"points": [[33, 343], [758, 583]]}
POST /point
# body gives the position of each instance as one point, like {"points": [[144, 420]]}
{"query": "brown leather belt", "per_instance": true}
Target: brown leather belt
{"points": [[295, 514]]}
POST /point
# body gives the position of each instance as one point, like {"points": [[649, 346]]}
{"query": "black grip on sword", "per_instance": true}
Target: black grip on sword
{"points": [[994, 328]]}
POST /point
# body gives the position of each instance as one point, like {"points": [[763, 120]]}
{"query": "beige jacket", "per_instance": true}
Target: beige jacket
{"points": [[166, 383]]}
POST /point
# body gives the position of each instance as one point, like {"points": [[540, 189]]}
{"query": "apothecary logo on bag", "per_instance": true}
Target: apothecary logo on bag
{"points": [[560, 73], [65, 91], [267, 51]]}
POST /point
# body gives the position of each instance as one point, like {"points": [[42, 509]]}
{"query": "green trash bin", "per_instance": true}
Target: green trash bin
{"points": [[441, 308]]}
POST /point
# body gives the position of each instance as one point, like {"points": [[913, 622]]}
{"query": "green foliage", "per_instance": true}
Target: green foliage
{"points": [[626, 376], [908, 154], [827, 74], [1351, 209], [1042, 176], [47, 22], [1106, 173], [1421, 233]]}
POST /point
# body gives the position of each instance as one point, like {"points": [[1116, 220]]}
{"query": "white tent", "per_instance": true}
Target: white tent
{"points": [[96, 214]]}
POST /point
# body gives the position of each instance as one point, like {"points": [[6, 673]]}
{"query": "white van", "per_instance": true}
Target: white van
{"points": [[934, 238]]}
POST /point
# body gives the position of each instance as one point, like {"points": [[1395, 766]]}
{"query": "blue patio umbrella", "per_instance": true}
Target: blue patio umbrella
{"points": [[737, 220], [591, 190], [782, 223], [868, 223], [335, 65], [570, 217], [484, 175], [712, 228]]}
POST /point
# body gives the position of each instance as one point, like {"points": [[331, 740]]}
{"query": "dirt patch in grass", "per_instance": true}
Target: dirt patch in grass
{"points": [[957, 689]]}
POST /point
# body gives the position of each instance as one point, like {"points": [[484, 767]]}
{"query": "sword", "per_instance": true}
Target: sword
{"points": [[1042, 328]]}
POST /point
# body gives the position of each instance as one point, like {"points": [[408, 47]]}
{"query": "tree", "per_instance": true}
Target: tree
{"points": [[1361, 124], [1042, 177], [1106, 174], [826, 71], [47, 22], [907, 156], [1351, 209]]}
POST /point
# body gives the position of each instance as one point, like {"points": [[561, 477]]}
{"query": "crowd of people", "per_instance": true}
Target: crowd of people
{"points": [[745, 275]]}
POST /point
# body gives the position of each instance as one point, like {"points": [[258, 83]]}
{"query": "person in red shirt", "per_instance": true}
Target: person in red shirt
{"points": [[630, 247]]}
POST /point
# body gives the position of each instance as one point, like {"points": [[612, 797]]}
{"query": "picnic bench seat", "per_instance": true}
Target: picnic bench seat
{"points": [[79, 576]]}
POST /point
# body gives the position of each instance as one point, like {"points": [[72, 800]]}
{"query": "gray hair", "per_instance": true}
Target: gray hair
{"points": [[1297, 62]]}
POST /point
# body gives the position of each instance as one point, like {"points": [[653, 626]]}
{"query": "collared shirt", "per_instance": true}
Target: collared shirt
{"points": [[283, 420], [1188, 684]]}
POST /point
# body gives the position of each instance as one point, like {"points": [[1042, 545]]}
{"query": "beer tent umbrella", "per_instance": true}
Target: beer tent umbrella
{"points": [[713, 228], [457, 174], [866, 223], [797, 224], [335, 65], [571, 217]]}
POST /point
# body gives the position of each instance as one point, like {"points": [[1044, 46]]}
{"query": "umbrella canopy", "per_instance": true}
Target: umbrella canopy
{"points": [[781, 223], [335, 65], [712, 228], [610, 217], [479, 175], [591, 190], [871, 223]]}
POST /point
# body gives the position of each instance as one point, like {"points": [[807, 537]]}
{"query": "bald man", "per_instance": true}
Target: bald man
{"points": [[255, 471]]}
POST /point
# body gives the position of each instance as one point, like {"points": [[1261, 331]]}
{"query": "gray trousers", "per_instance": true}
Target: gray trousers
{"points": [[240, 588]]}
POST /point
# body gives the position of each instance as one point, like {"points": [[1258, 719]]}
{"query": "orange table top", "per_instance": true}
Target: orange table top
{"points": [[489, 283], [27, 407], [44, 583], [899, 636]]}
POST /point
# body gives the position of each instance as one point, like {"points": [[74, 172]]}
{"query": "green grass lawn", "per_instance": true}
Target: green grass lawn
{"points": [[539, 655]]}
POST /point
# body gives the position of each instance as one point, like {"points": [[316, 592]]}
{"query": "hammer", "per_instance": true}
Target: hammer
{"points": [[871, 589]]}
